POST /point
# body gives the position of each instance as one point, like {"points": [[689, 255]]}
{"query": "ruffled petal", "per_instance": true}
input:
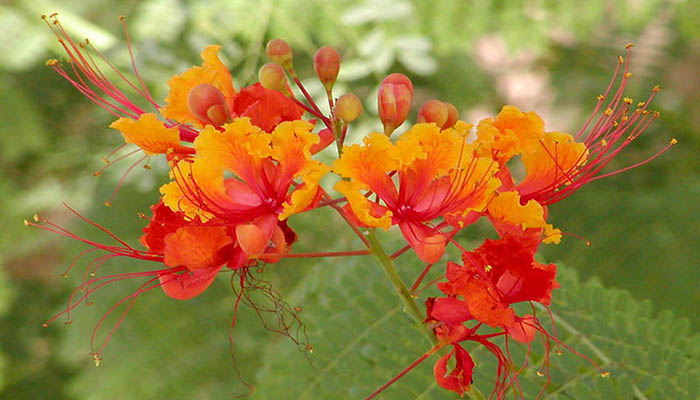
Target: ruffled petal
{"points": [[186, 285], [362, 208], [149, 133], [196, 247]]}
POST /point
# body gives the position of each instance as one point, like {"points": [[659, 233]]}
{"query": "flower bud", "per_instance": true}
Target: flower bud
{"points": [[272, 76], [394, 101], [442, 114], [326, 65], [348, 108], [208, 104], [279, 52]]}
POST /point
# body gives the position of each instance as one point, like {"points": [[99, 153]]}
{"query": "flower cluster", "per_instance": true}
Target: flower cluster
{"points": [[241, 164]]}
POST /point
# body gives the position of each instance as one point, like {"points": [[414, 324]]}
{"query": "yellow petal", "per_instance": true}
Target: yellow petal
{"points": [[506, 208], [149, 133], [361, 206]]}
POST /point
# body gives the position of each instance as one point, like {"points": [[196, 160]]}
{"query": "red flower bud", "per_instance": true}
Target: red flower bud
{"points": [[348, 108], [279, 52], [272, 76], [394, 101], [326, 65], [442, 114], [208, 104]]}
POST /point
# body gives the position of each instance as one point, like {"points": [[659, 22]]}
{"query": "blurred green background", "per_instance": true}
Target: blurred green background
{"points": [[548, 56]]}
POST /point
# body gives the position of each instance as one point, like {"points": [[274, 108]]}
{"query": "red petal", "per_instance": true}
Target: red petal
{"points": [[460, 377], [266, 108], [450, 311], [163, 222], [187, 284]]}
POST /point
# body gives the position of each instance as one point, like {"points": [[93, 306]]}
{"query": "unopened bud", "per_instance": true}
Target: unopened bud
{"points": [[327, 65], [348, 108], [394, 101], [279, 52], [433, 111], [272, 76], [208, 104]]}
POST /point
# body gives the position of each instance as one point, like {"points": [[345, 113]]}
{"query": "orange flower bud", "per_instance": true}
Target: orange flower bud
{"points": [[271, 76], [348, 107], [442, 114], [208, 104], [279, 52], [326, 65], [394, 101]]}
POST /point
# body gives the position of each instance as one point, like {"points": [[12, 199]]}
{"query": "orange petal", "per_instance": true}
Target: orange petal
{"points": [[428, 244], [196, 247], [149, 133]]}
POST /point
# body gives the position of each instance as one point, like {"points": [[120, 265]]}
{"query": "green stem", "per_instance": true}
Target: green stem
{"points": [[409, 303]]}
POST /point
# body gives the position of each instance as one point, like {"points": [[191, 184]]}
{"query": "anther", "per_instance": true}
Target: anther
{"points": [[97, 359], [53, 15], [605, 374], [97, 173], [52, 62], [26, 223], [146, 166], [488, 268], [627, 100], [297, 309], [309, 348], [608, 111], [68, 322], [603, 142], [36, 218], [44, 325], [121, 18], [600, 97], [108, 204], [141, 215], [656, 89], [614, 124], [673, 141], [627, 75], [641, 104], [629, 45], [539, 373], [620, 59]]}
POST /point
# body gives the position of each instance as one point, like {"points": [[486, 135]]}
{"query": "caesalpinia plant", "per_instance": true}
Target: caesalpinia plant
{"points": [[242, 164]]}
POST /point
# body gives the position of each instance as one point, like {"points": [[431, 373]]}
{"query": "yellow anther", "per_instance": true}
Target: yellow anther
{"points": [[604, 143], [614, 123], [309, 348], [600, 97], [624, 118], [68, 322], [26, 223], [121, 18], [628, 74], [297, 309], [97, 359], [674, 141], [641, 104], [645, 112], [629, 45], [97, 173], [108, 204], [52, 62], [608, 111], [605, 374], [620, 59], [656, 89], [105, 160], [539, 373], [627, 100], [657, 114], [170, 150], [488, 268], [53, 15], [141, 215], [146, 166], [36, 218]]}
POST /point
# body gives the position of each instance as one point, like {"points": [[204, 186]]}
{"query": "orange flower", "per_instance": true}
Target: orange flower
{"points": [[427, 174], [264, 188]]}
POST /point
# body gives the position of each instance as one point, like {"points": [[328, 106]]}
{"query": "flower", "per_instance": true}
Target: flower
{"points": [[429, 173], [262, 190]]}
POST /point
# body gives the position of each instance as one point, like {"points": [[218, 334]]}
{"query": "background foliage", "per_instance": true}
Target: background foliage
{"points": [[551, 56]]}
